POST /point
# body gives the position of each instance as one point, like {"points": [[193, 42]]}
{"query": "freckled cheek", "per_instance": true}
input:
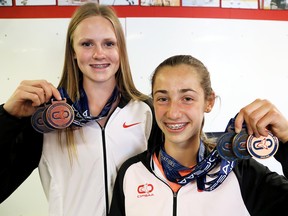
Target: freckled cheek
{"points": [[82, 62], [159, 114], [198, 117], [160, 124], [82, 57], [117, 64], [115, 58]]}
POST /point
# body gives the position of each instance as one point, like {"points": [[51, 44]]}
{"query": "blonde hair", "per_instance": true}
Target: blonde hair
{"points": [[72, 75]]}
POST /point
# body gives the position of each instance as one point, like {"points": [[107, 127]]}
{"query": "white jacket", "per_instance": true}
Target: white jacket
{"points": [[84, 187]]}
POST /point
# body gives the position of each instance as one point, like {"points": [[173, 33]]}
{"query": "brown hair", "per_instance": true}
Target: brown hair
{"points": [[205, 83]]}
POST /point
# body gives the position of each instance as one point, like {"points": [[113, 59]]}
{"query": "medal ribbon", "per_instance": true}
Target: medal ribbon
{"points": [[81, 108], [200, 172], [231, 125]]}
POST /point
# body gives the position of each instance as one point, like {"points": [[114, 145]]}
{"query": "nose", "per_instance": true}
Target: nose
{"points": [[98, 52], [174, 110]]}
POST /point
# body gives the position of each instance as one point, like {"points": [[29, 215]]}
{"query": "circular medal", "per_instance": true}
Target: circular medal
{"points": [[37, 121], [59, 115], [45, 122], [224, 146], [262, 147], [239, 145]]}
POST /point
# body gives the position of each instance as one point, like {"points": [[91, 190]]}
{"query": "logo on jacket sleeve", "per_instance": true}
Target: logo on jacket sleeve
{"points": [[145, 190], [125, 125]]}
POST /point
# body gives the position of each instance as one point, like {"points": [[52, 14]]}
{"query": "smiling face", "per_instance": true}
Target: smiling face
{"points": [[96, 50], [180, 103]]}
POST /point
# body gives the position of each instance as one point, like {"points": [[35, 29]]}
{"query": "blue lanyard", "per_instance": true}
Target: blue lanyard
{"points": [[81, 108], [199, 173]]}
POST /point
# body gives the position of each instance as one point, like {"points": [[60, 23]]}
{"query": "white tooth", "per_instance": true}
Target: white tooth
{"points": [[175, 126], [99, 66]]}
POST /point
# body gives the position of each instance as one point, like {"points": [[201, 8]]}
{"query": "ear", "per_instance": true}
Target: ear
{"points": [[210, 102]]}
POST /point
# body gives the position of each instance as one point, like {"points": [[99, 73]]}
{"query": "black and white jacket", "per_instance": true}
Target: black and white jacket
{"points": [[83, 186], [250, 189]]}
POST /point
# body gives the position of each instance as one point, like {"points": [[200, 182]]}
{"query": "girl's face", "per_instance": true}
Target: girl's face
{"points": [[179, 104], [96, 50]]}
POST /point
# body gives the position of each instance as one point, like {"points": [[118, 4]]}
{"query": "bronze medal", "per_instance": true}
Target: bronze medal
{"points": [[59, 114], [239, 145], [224, 146], [262, 147], [37, 121]]}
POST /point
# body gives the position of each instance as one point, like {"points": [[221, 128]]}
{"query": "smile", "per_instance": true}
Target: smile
{"points": [[99, 65], [175, 126]]}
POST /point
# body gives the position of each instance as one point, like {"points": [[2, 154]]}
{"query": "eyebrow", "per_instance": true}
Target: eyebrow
{"points": [[187, 90], [181, 91]]}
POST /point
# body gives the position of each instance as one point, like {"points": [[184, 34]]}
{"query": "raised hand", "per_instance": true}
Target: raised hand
{"points": [[28, 96]]}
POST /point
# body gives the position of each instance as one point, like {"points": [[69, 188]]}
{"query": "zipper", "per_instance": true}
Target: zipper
{"points": [[105, 171], [106, 188], [175, 194], [175, 203]]}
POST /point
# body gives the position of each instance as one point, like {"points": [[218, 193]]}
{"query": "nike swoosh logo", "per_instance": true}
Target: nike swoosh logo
{"points": [[129, 125]]}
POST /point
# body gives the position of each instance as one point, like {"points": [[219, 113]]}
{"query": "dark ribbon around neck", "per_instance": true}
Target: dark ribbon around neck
{"points": [[81, 107], [201, 171]]}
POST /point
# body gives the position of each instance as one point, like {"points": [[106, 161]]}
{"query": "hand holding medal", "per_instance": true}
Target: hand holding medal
{"points": [[29, 95], [233, 146], [257, 128]]}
